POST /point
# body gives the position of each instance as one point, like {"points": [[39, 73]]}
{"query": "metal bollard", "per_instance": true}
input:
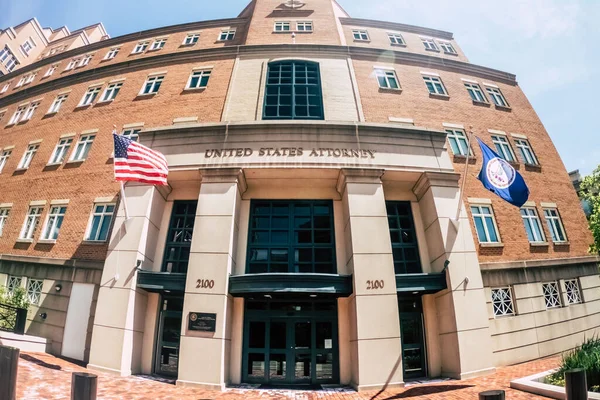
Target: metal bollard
{"points": [[9, 363], [492, 395], [576, 384], [84, 386]]}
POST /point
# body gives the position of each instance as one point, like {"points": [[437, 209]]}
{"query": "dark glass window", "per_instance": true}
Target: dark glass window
{"points": [[404, 238], [293, 91], [179, 237], [291, 236]]}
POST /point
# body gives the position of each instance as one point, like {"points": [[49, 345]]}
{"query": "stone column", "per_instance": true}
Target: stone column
{"points": [[464, 334], [375, 326], [121, 309], [204, 356]]}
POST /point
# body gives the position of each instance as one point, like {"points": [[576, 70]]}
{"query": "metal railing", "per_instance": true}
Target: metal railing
{"points": [[12, 319]]}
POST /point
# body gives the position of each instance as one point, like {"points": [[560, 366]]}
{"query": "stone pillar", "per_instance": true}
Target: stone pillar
{"points": [[121, 309], [464, 334], [375, 326], [204, 356]]}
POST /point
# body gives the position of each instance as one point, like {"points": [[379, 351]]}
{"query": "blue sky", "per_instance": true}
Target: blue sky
{"points": [[553, 46]]}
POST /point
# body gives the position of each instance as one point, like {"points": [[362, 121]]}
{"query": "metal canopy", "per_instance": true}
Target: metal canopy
{"points": [[424, 283], [161, 282], [299, 283]]}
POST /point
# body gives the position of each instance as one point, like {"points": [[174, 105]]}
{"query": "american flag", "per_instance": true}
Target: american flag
{"points": [[135, 162]]}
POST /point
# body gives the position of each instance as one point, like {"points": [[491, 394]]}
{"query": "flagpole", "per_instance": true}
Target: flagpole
{"points": [[464, 178], [123, 198]]}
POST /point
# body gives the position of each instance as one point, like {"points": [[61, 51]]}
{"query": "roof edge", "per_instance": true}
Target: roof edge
{"points": [[398, 26]]}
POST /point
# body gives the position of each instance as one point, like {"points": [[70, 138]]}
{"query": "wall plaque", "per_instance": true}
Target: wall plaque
{"points": [[202, 322]]}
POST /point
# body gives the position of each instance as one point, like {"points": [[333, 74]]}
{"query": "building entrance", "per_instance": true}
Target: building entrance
{"points": [[412, 337], [291, 342], [169, 331]]}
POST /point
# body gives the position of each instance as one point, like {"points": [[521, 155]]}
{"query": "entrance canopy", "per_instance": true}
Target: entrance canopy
{"points": [[298, 283]]}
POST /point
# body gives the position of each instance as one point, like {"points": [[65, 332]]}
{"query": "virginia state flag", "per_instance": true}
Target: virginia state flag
{"points": [[498, 176]]}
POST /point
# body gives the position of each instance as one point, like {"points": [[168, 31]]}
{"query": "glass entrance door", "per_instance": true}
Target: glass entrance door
{"points": [[412, 337], [169, 331]]}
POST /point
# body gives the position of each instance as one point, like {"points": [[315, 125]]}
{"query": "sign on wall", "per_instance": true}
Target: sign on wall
{"points": [[290, 152], [202, 322]]}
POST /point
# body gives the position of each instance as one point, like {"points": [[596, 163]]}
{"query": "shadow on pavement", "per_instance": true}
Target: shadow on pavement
{"points": [[425, 390], [39, 362]]}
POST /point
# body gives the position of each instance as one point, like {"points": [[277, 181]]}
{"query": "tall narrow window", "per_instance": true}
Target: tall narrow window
{"points": [[199, 79], [293, 91], [555, 225], [60, 152], [100, 222], [17, 115], [158, 44], [360, 35], [50, 70], [533, 227], [30, 77], [72, 64], [152, 84], [291, 236], [132, 133], [57, 103], [429, 44], [31, 222], [503, 147], [54, 222], [4, 155], [140, 48], [227, 34], [4, 212], [111, 91], [191, 39], [30, 110], [551, 294], [34, 290], [396, 39], [8, 59], [89, 96], [13, 283], [502, 302], [572, 291], [434, 85], [475, 92], [84, 144], [387, 79], [447, 47], [526, 151], [112, 53], [405, 249], [5, 87], [28, 156], [496, 96], [179, 237], [85, 60], [458, 142], [485, 224]]}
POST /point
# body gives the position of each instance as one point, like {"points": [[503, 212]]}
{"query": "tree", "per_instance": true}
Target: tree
{"points": [[589, 191]]}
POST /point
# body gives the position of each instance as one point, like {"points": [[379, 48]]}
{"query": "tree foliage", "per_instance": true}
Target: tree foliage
{"points": [[589, 191]]}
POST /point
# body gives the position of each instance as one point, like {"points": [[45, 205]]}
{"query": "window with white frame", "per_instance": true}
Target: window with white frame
{"points": [[90, 96], [57, 103], [496, 96], [572, 291], [199, 79], [158, 44], [434, 85], [85, 60], [4, 212], [13, 283], [34, 290], [30, 110], [447, 47], [360, 34], [555, 226], [458, 142], [100, 222], [30, 77], [27, 46], [131, 133], [4, 158], [191, 39], [112, 53], [31, 222], [533, 227], [429, 44], [227, 34], [551, 294], [50, 70], [526, 151], [304, 26], [5, 87], [21, 81], [60, 151], [140, 48], [8, 59], [396, 39], [82, 148], [485, 223], [502, 302], [111, 91], [2, 113], [475, 92], [387, 79], [152, 84], [503, 147], [18, 114], [28, 156], [281, 27], [72, 64], [54, 222]]}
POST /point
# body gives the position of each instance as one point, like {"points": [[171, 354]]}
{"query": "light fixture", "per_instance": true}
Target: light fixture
{"points": [[313, 295], [268, 296], [43, 316], [415, 292], [58, 287]]}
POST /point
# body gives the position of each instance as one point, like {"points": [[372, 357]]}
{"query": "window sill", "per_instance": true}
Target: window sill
{"points": [[439, 96], [362, 41], [94, 242], [105, 101], [459, 158], [136, 53], [46, 241], [21, 240], [502, 108], [21, 169], [53, 164], [433, 50], [194, 89], [448, 53], [83, 105], [539, 244], [480, 103], [75, 161], [149, 50], [492, 244], [398, 90], [51, 113], [187, 44], [146, 94], [397, 45], [561, 244]]}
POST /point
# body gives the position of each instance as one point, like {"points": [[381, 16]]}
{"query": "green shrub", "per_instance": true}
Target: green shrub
{"points": [[18, 298], [586, 356]]}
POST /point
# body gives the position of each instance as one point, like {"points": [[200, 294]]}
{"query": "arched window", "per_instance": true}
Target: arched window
{"points": [[293, 91]]}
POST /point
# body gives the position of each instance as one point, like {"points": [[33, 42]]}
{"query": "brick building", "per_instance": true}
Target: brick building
{"points": [[309, 231]]}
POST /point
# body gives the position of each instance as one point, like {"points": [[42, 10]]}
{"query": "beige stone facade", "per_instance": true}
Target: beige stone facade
{"points": [[332, 240]]}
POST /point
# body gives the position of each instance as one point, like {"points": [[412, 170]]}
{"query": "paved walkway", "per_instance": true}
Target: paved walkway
{"points": [[42, 376]]}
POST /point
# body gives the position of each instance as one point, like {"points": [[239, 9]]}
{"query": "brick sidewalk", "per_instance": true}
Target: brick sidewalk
{"points": [[42, 376]]}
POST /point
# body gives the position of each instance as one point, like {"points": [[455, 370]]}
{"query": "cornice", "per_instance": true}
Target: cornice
{"points": [[399, 27], [60, 262], [381, 55], [435, 179], [124, 39]]}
